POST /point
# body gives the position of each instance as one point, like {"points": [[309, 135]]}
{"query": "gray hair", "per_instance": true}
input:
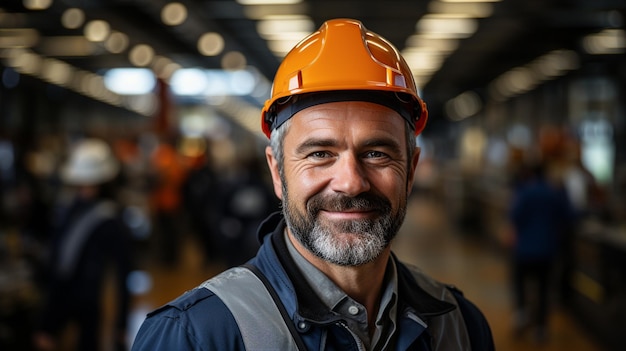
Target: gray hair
{"points": [[277, 142]]}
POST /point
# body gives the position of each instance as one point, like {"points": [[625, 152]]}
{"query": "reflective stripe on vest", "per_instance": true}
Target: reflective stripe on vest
{"points": [[79, 233], [259, 320]]}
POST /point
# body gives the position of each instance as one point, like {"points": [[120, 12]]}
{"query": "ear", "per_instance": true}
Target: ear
{"points": [[414, 161], [272, 163]]}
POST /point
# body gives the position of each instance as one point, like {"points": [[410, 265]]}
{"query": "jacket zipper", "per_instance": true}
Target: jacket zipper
{"points": [[358, 341]]}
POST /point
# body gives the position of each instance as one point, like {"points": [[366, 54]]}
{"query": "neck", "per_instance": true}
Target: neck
{"points": [[362, 283]]}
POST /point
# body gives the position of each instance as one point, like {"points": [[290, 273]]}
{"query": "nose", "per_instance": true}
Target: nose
{"points": [[349, 176]]}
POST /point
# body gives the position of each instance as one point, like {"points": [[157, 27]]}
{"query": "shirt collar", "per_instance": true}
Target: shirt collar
{"points": [[328, 292], [340, 303]]}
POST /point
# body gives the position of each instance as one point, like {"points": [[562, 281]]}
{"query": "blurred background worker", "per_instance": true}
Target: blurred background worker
{"points": [[89, 245], [169, 173], [541, 215]]}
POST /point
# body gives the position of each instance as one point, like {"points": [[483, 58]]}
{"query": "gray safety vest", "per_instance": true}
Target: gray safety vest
{"points": [[256, 313], [263, 328]]}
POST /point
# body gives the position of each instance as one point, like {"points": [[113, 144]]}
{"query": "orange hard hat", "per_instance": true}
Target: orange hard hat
{"points": [[343, 56]]}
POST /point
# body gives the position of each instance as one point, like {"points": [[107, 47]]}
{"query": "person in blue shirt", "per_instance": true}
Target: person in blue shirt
{"points": [[540, 214]]}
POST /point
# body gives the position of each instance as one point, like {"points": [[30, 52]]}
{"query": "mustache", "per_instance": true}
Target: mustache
{"points": [[361, 202]]}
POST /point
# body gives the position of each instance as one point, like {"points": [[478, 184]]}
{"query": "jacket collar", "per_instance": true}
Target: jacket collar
{"points": [[309, 305]]}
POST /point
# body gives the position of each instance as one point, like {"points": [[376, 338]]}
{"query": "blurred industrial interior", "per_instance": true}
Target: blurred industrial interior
{"points": [[176, 87]]}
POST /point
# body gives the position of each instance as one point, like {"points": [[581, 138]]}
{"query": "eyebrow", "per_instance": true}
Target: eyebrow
{"points": [[375, 142], [384, 142], [313, 143]]}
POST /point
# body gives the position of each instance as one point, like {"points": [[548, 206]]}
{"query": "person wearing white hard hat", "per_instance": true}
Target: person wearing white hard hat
{"points": [[87, 239], [91, 163]]}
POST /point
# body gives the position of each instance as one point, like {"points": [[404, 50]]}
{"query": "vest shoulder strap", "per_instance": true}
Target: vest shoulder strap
{"points": [[257, 315]]}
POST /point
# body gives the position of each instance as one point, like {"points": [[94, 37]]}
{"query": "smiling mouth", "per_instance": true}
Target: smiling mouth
{"points": [[341, 208], [349, 214]]}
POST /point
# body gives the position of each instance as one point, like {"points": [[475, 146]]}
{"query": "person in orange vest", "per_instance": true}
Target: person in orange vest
{"points": [[169, 174]]}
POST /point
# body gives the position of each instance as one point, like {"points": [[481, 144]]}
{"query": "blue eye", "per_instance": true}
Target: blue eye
{"points": [[319, 154], [375, 154]]}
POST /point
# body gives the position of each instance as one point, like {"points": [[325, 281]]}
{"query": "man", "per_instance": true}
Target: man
{"points": [[89, 241], [341, 120], [541, 215]]}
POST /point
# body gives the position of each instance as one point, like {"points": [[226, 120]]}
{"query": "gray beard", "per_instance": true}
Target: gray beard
{"points": [[329, 241]]}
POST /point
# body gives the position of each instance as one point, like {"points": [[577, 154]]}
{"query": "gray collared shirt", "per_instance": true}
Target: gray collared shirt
{"points": [[353, 312]]}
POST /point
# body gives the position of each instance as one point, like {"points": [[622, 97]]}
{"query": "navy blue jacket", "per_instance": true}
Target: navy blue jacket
{"points": [[199, 319]]}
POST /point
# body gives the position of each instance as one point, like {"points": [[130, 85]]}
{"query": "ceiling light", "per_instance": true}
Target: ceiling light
{"points": [[73, 18], [169, 69], [18, 38], [261, 11], [146, 104], [524, 78], [284, 32], [521, 79], [268, 2], [159, 64], [141, 55], [210, 44], [189, 82], [439, 44], [130, 81], [116, 42], [56, 72], [164, 67], [174, 14], [273, 26], [202, 83], [97, 30], [562, 60], [465, 9], [281, 47], [24, 61], [463, 106], [441, 26], [465, 1], [423, 60], [294, 37], [67, 46], [95, 86], [233, 60], [608, 41], [421, 79], [242, 82], [37, 4]]}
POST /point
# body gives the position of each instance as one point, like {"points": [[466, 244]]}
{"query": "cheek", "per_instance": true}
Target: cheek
{"points": [[393, 184], [302, 184]]}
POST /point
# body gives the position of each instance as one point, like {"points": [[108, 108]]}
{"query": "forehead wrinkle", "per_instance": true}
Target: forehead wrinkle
{"points": [[316, 125]]}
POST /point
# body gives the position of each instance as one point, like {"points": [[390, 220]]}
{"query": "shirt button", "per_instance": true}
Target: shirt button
{"points": [[353, 310]]}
